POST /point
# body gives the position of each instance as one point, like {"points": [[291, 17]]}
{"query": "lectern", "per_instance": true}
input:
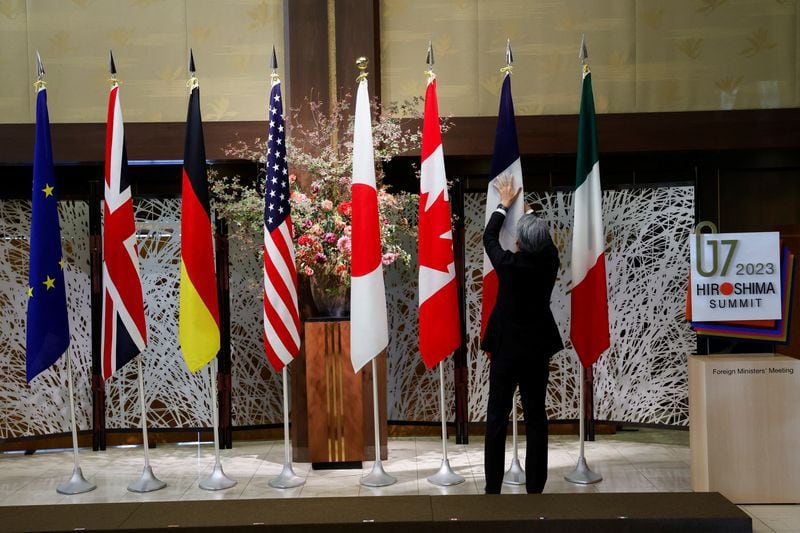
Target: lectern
{"points": [[332, 405]]}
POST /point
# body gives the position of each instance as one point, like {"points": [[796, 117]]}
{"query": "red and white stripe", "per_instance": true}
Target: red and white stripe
{"points": [[281, 318]]}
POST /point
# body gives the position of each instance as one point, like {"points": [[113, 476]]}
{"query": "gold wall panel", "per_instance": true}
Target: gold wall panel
{"points": [[232, 41], [646, 55]]}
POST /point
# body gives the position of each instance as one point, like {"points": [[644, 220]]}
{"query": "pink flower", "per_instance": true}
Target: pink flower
{"points": [[344, 244], [315, 187], [308, 271], [348, 230], [320, 258], [292, 178], [316, 229], [307, 223], [327, 205], [389, 258], [329, 238]]}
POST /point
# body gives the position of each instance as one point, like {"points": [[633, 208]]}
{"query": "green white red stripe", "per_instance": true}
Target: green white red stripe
{"points": [[589, 298]]}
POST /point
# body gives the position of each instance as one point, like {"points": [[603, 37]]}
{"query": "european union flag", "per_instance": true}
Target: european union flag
{"points": [[48, 324]]}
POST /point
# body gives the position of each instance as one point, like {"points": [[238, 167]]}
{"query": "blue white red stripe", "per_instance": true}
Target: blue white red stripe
{"points": [[505, 160]]}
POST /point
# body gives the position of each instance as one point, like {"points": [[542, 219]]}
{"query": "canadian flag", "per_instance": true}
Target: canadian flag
{"points": [[439, 320], [368, 320]]}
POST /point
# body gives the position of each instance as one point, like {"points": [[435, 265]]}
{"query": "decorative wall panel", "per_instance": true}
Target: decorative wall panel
{"points": [[42, 407], [646, 55], [642, 378], [257, 396], [175, 397]]}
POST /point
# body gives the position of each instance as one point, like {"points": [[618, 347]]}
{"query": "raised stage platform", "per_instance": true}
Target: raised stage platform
{"points": [[619, 513]]}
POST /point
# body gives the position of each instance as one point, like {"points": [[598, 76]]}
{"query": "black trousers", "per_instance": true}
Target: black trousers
{"points": [[531, 374]]}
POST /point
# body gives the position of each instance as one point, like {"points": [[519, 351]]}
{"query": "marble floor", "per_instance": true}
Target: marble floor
{"points": [[643, 460]]}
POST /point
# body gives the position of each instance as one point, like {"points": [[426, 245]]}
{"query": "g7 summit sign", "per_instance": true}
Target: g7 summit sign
{"points": [[735, 276]]}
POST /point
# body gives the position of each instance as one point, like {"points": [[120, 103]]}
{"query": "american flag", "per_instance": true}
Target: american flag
{"points": [[281, 317]]}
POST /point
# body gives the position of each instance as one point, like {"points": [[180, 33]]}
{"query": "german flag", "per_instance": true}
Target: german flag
{"points": [[198, 324]]}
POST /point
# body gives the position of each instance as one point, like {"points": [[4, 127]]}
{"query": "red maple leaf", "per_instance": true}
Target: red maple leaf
{"points": [[435, 251]]}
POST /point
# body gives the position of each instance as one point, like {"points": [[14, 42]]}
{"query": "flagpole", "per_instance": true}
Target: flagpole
{"points": [[582, 475], [515, 475], [377, 476], [147, 482], [77, 484], [445, 477], [287, 479], [217, 480]]}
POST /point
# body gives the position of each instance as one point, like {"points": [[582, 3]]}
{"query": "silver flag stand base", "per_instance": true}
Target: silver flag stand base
{"points": [[445, 477], [377, 477], [582, 474], [148, 482], [217, 480], [515, 475], [77, 484], [287, 479]]}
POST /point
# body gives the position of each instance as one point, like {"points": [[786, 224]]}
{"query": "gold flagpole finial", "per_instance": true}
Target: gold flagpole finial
{"points": [[362, 63], [429, 60], [39, 84], [509, 59]]}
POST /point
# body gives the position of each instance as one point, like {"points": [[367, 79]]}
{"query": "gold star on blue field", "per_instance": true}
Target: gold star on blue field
{"points": [[48, 190], [30, 292], [50, 283]]}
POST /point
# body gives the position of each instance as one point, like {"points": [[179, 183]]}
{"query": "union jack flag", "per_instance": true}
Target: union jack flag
{"points": [[281, 316], [124, 331]]}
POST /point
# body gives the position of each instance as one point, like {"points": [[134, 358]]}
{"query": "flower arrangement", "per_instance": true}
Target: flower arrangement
{"points": [[320, 157]]}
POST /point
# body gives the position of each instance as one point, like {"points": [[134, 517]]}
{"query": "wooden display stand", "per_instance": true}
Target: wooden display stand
{"points": [[331, 411], [745, 426]]}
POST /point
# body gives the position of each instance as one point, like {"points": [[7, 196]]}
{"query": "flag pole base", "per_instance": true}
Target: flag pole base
{"points": [[217, 480], [148, 482], [583, 475], [515, 475], [377, 477], [445, 477], [287, 479], [77, 484]]}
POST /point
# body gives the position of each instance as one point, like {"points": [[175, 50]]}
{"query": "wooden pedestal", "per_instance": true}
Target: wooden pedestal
{"points": [[745, 426], [332, 420]]}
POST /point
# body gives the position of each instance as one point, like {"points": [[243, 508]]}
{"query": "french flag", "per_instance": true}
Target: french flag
{"points": [[505, 160]]}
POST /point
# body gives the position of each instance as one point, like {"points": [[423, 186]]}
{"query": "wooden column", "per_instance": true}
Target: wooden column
{"points": [[224, 356], [96, 272], [460, 364]]}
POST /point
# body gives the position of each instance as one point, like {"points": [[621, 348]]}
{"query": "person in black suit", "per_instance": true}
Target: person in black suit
{"points": [[521, 336]]}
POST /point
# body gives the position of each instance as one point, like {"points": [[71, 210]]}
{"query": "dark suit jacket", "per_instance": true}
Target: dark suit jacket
{"points": [[521, 324]]}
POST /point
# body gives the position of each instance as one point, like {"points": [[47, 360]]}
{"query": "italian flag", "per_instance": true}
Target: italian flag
{"points": [[589, 298]]}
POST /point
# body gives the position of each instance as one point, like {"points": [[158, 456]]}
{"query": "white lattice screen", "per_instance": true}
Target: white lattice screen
{"points": [[643, 376], [642, 379], [43, 406]]}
